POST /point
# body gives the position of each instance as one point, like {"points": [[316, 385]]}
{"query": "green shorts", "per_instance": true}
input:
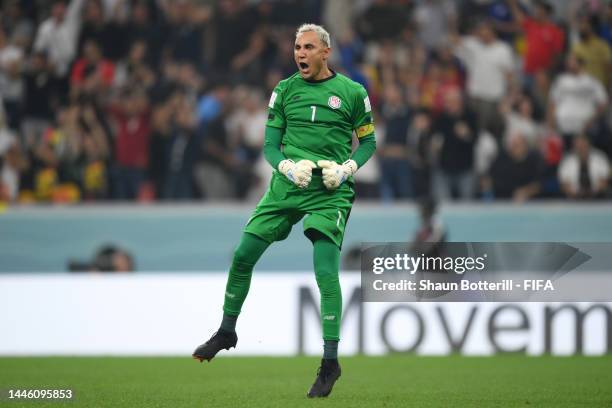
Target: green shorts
{"points": [[284, 204]]}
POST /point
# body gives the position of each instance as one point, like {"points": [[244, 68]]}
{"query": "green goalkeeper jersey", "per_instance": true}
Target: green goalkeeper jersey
{"points": [[318, 117]]}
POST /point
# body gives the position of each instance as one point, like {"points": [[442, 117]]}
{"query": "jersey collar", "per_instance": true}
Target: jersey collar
{"points": [[318, 81]]}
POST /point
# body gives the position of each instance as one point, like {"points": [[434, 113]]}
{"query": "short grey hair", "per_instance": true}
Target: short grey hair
{"points": [[321, 32]]}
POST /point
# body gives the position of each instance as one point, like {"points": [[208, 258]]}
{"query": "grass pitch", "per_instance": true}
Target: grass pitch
{"points": [[391, 381]]}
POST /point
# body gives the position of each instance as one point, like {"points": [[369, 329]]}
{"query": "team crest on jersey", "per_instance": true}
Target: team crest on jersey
{"points": [[334, 102]]}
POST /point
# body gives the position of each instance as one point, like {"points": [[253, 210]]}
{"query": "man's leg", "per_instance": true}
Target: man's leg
{"points": [[326, 265], [246, 255]]}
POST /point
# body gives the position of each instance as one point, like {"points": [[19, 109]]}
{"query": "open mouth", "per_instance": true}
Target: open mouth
{"points": [[303, 65]]}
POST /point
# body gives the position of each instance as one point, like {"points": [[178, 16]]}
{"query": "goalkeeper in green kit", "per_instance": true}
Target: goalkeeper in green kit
{"points": [[308, 141]]}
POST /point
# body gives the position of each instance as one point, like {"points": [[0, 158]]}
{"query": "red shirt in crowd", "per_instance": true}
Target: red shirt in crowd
{"points": [[132, 141], [105, 70], [544, 42]]}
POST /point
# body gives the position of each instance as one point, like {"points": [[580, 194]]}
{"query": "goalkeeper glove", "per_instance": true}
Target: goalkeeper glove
{"points": [[335, 174], [299, 173]]}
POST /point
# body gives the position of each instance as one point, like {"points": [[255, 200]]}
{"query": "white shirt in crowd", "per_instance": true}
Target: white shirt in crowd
{"points": [[488, 66], [251, 126], [598, 166], [11, 87], [431, 18], [527, 127], [9, 176], [576, 98], [9, 55], [59, 40]]}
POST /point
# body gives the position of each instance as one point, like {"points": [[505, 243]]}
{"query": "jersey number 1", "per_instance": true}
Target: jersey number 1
{"points": [[314, 110]]}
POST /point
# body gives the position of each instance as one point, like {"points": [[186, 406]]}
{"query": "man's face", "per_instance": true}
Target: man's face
{"points": [[310, 54], [572, 64], [486, 34], [541, 13], [58, 11], [453, 102], [517, 147], [582, 147]]}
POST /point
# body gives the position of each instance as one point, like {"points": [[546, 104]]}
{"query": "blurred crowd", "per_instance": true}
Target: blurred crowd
{"points": [[166, 99]]}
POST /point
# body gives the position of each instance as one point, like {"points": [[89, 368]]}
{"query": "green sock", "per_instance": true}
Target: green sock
{"points": [[330, 350], [228, 323], [326, 265], [246, 256]]}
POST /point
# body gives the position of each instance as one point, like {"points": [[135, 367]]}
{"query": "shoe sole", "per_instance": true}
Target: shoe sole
{"points": [[201, 359], [324, 395]]}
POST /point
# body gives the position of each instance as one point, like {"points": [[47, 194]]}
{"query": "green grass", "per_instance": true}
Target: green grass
{"points": [[391, 381]]}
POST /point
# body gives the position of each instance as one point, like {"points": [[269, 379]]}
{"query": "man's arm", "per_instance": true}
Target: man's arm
{"points": [[42, 37], [275, 127], [367, 147], [271, 147], [364, 128], [526, 192], [299, 173], [335, 174], [517, 13], [73, 12]]}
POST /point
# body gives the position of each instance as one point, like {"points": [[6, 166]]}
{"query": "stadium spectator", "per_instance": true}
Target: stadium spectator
{"points": [[180, 152], [95, 27], [207, 51], [185, 30], [9, 53], [131, 117], [213, 171], [211, 104], [544, 40], [42, 96], [489, 63], [15, 18], [577, 101], [11, 162], [516, 173], [92, 73], [247, 123], [585, 173], [53, 173], [457, 131], [161, 121], [519, 117], [140, 25], [11, 81], [435, 20], [595, 53], [58, 35], [420, 137], [246, 126], [134, 69], [440, 76], [92, 173], [394, 154]]}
